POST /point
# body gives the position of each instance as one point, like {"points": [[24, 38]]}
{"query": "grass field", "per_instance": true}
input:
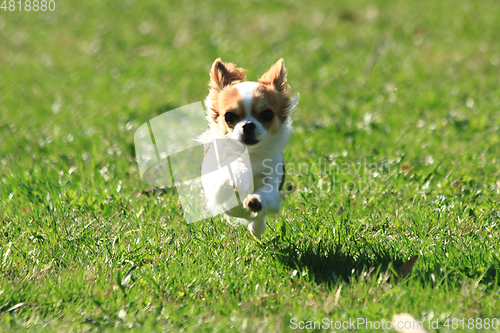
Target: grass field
{"points": [[396, 150]]}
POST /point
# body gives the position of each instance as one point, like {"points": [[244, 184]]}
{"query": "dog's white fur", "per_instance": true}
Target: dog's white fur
{"points": [[257, 186]]}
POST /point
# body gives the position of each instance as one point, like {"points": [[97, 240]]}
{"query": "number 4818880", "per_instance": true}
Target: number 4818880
{"points": [[28, 5]]}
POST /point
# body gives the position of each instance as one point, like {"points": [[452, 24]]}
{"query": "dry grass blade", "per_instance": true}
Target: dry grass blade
{"points": [[17, 306]]}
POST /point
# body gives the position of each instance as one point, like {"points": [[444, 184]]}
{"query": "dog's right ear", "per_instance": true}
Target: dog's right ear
{"points": [[223, 74]]}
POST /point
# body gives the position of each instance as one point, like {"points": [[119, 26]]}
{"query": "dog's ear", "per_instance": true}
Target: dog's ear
{"points": [[276, 76], [223, 74]]}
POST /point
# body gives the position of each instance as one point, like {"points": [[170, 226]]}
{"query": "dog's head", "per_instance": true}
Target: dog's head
{"points": [[250, 112]]}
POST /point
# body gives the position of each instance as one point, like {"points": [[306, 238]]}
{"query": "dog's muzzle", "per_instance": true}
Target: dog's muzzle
{"points": [[249, 134]]}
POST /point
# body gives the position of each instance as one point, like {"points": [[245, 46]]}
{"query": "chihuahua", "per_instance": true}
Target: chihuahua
{"points": [[253, 117]]}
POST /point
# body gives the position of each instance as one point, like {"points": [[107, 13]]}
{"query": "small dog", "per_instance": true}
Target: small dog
{"points": [[253, 117]]}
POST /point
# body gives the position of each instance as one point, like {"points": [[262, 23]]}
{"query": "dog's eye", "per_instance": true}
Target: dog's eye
{"points": [[266, 115], [230, 117]]}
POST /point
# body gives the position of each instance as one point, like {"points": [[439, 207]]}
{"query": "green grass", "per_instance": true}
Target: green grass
{"points": [[76, 83]]}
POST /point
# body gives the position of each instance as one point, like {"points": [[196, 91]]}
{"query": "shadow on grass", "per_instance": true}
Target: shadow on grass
{"points": [[327, 263]]}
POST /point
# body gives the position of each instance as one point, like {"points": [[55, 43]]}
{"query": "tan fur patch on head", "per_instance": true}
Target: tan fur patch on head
{"points": [[276, 88], [266, 98], [229, 100], [222, 75]]}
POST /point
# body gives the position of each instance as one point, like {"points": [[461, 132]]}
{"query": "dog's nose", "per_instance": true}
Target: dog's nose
{"points": [[248, 128]]}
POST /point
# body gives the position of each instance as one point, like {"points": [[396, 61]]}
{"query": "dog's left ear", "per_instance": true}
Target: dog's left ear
{"points": [[276, 76], [223, 74]]}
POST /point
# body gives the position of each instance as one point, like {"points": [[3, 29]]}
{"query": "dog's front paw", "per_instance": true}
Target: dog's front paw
{"points": [[252, 203]]}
